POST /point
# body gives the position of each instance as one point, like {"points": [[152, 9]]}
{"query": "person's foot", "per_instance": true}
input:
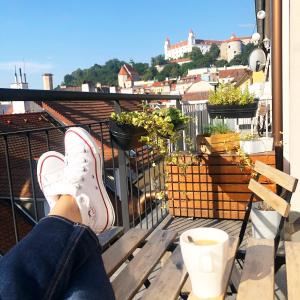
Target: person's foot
{"points": [[50, 172], [83, 180]]}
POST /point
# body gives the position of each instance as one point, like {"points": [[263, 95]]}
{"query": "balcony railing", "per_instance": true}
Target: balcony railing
{"points": [[133, 179]]}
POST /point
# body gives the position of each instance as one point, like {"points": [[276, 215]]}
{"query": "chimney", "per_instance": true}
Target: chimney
{"points": [[48, 81]]}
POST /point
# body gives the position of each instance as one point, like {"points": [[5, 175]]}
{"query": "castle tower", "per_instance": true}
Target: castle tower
{"points": [[167, 46], [191, 38]]}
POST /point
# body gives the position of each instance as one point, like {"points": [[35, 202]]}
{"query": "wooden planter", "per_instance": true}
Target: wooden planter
{"points": [[218, 143], [232, 111], [126, 136], [212, 187]]}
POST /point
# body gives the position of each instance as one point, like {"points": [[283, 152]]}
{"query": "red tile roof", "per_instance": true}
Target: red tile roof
{"points": [[7, 233], [19, 154], [178, 45], [208, 42], [123, 71], [236, 74]]}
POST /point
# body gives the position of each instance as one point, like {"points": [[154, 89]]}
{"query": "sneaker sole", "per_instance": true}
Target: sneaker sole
{"points": [[40, 165], [94, 148]]}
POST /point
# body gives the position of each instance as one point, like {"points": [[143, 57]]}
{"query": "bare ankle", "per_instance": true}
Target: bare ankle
{"points": [[67, 207]]}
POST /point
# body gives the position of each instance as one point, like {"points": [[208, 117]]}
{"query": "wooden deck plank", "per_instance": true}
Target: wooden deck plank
{"points": [[170, 279], [233, 246], [109, 236], [128, 282], [257, 280], [114, 256], [292, 250]]}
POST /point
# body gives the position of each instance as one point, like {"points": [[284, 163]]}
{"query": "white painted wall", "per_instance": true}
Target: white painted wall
{"points": [[291, 92]]}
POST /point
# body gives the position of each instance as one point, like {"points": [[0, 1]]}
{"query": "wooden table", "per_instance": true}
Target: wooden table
{"points": [[257, 279]]}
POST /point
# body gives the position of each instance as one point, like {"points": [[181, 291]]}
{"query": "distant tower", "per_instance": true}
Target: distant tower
{"points": [[234, 47], [48, 81], [191, 38], [167, 46]]}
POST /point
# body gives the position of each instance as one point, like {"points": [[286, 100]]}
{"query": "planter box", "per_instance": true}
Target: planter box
{"points": [[257, 146], [264, 223], [126, 136], [218, 143], [232, 111], [212, 186]]}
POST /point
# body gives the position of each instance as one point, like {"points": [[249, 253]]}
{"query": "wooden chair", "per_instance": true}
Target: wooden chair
{"points": [[280, 201]]}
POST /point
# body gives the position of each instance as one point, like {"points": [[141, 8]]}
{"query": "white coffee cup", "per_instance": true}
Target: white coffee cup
{"points": [[205, 263]]}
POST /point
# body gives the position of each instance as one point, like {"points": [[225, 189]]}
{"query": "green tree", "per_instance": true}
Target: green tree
{"points": [[214, 51], [158, 60], [150, 74], [196, 54], [141, 68], [221, 63], [170, 70]]}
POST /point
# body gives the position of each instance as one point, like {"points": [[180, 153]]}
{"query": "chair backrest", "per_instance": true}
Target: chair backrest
{"points": [[280, 203], [285, 181]]}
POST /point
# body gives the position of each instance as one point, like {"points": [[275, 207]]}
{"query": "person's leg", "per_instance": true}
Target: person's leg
{"points": [[53, 259]]}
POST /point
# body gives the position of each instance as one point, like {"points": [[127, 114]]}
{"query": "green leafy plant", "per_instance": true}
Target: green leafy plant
{"points": [[160, 124], [217, 128], [227, 94]]}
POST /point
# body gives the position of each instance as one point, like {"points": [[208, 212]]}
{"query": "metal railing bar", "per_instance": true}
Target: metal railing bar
{"points": [[115, 183], [47, 139], [150, 189], [32, 176], [11, 190], [145, 190], [138, 188], [44, 95], [49, 128]]}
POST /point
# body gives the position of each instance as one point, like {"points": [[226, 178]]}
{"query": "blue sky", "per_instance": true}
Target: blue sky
{"points": [[61, 36]]}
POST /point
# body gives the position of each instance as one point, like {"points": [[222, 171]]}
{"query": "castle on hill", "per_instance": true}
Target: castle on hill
{"points": [[228, 48]]}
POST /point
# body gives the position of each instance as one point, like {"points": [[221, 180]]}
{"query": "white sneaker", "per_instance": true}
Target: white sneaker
{"points": [[83, 180], [50, 172]]}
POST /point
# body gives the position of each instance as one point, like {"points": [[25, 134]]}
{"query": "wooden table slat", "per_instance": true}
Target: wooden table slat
{"points": [[292, 250], [114, 256], [233, 246], [170, 279], [257, 280], [128, 282]]}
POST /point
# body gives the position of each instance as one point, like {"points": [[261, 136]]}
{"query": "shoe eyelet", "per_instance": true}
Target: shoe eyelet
{"points": [[96, 187], [93, 176], [91, 212]]}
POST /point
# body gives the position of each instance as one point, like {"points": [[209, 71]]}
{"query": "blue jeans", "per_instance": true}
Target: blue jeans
{"points": [[58, 259]]}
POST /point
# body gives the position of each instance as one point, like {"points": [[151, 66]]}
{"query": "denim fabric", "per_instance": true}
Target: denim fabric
{"points": [[58, 259]]}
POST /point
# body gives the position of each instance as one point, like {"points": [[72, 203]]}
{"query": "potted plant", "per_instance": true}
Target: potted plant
{"points": [[126, 130], [231, 102], [217, 138], [264, 219], [151, 127], [251, 144]]}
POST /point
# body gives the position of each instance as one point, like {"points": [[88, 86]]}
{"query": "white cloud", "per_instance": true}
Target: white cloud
{"points": [[30, 67], [247, 25]]}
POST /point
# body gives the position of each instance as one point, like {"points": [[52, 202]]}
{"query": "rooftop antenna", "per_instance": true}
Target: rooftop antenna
{"points": [[16, 76], [21, 78]]}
